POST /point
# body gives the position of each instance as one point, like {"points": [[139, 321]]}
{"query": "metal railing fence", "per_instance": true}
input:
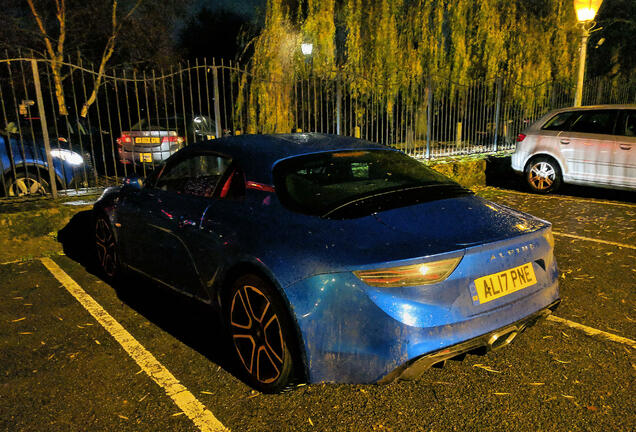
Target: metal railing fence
{"points": [[429, 118]]}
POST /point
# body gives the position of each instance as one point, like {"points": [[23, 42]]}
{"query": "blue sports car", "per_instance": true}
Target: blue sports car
{"points": [[331, 258]]}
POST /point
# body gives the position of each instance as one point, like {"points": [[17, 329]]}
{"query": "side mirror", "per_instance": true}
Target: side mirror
{"points": [[133, 183]]}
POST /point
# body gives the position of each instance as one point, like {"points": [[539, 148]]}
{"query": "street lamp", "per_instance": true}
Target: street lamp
{"points": [[306, 48], [585, 13]]}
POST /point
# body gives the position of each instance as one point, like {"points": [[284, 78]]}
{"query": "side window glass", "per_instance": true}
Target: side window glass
{"points": [[197, 175], [559, 122], [596, 122], [627, 124]]}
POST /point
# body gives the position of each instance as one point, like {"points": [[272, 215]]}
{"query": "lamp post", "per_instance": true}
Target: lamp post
{"points": [[585, 13]]}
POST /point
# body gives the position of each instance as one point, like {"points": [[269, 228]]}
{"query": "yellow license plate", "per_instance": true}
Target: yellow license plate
{"points": [[145, 157], [148, 140], [497, 285]]}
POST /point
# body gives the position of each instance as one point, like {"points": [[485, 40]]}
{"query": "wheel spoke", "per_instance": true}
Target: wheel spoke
{"points": [[237, 308], [274, 338], [35, 187], [263, 361], [21, 187], [246, 349]]}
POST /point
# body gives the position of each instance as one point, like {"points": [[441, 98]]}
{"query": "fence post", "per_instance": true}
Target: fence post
{"points": [[217, 104], [338, 104], [499, 84], [429, 116], [45, 131]]}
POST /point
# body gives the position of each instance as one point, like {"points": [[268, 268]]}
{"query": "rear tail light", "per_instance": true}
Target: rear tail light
{"points": [[418, 274], [125, 139], [172, 139], [521, 137]]}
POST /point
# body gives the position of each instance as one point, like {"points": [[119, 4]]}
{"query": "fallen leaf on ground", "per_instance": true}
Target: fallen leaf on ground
{"points": [[19, 319], [486, 368], [122, 416], [178, 414]]}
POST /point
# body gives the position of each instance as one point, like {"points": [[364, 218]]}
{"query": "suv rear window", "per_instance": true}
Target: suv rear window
{"points": [[347, 184]]}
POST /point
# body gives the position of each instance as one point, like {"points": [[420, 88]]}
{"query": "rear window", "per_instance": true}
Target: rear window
{"points": [[596, 122], [347, 184], [559, 122], [627, 123]]}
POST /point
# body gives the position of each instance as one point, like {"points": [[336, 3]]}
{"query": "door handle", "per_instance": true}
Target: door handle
{"points": [[564, 142], [625, 146]]}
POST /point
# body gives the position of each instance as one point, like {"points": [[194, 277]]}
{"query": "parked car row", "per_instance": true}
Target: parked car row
{"points": [[81, 152]]}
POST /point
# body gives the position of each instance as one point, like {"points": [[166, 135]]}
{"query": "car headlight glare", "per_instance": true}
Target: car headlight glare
{"points": [[68, 156], [410, 275]]}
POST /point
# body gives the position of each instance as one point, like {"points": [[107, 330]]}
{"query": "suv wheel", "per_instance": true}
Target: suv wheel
{"points": [[543, 175]]}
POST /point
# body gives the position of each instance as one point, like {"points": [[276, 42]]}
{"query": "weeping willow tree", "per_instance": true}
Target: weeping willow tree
{"points": [[388, 47], [266, 92]]}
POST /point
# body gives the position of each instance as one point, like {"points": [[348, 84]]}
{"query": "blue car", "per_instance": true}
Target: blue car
{"points": [[24, 167], [331, 259]]}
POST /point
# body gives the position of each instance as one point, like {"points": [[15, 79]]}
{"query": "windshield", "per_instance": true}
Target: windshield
{"points": [[348, 184]]}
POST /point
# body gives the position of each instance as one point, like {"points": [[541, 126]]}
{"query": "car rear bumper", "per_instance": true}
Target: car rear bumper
{"points": [[490, 341], [135, 156]]}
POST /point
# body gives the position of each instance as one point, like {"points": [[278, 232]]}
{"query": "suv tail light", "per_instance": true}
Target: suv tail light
{"points": [[124, 139], [521, 137]]}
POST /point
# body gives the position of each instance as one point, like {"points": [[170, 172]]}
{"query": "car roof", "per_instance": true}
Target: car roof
{"points": [[257, 154], [595, 107]]}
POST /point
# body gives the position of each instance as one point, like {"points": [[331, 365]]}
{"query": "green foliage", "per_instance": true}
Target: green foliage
{"points": [[392, 46]]}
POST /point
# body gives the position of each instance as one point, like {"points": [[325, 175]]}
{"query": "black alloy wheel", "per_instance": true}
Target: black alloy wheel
{"points": [[543, 175], [260, 333], [106, 248]]}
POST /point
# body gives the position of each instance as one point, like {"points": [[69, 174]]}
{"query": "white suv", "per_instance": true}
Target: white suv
{"points": [[591, 145]]}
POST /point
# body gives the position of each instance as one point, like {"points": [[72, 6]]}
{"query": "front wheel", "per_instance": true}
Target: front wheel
{"points": [[543, 175], [27, 184], [261, 334]]}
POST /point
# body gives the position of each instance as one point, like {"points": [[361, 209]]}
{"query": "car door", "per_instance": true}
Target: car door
{"points": [[624, 167], [170, 217], [591, 145]]}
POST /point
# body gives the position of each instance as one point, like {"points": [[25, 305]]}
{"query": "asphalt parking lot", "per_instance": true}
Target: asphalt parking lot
{"points": [[77, 354]]}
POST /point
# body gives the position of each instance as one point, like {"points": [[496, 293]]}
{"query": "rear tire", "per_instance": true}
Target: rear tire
{"points": [[261, 334], [106, 253], [543, 175]]}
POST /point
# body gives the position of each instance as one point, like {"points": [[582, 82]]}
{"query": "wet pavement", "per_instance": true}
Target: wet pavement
{"points": [[61, 370]]}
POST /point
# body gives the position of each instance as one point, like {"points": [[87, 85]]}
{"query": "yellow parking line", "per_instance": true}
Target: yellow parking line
{"points": [[191, 407], [592, 331], [561, 197], [594, 240]]}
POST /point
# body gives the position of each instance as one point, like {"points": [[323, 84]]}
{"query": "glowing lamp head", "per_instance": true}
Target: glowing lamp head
{"points": [[307, 48], [586, 9]]}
